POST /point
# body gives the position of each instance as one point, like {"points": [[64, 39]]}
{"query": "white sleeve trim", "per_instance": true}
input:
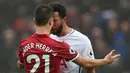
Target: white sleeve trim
{"points": [[20, 62], [74, 58]]}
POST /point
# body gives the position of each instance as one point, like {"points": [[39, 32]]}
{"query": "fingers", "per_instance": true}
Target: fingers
{"points": [[116, 56], [111, 52]]}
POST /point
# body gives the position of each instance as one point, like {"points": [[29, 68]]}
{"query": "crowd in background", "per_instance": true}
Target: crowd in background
{"points": [[105, 22]]}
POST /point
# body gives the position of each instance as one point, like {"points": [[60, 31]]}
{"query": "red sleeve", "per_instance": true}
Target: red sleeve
{"points": [[19, 53], [66, 52]]}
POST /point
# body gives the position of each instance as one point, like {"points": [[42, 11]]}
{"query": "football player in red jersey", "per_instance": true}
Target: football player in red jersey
{"points": [[40, 53]]}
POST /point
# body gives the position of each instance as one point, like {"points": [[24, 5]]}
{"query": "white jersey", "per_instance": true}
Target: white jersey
{"points": [[81, 44]]}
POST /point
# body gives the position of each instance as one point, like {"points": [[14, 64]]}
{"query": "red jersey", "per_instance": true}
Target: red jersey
{"points": [[42, 54]]}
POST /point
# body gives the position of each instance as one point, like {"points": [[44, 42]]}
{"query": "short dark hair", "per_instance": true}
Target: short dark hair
{"points": [[42, 14], [57, 7]]}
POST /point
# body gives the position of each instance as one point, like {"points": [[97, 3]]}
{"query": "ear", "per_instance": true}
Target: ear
{"points": [[64, 19], [50, 21], [34, 20]]}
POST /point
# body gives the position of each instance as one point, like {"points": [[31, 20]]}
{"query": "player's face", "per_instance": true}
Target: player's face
{"points": [[58, 24]]}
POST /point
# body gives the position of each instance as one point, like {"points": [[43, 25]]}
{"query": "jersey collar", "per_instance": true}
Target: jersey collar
{"points": [[41, 35], [72, 31]]}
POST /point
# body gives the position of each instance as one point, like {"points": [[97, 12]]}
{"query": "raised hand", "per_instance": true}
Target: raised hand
{"points": [[109, 58]]}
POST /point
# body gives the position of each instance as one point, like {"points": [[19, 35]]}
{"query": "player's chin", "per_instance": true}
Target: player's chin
{"points": [[55, 33]]}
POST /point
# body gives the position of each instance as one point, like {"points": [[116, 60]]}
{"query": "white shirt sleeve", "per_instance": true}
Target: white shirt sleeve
{"points": [[87, 50]]}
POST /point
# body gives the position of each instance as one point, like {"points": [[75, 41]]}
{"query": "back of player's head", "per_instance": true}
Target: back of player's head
{"points": [[57, 7], [42, 14]]}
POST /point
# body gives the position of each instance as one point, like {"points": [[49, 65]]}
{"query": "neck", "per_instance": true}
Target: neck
{"points": [[42, 30], [65, 30]]}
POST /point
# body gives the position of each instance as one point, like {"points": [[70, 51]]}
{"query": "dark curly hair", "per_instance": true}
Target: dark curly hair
{"points": [[57, 7]]}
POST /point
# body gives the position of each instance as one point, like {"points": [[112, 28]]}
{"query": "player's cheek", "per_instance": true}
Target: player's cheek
{"points": [[56, 26], [54, 29]]}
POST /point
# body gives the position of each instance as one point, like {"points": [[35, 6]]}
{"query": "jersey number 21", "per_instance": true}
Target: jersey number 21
{"points": [[37, 59]]}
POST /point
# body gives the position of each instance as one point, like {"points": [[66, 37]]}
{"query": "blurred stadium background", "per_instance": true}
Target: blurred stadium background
{"points": [[105, 22]]}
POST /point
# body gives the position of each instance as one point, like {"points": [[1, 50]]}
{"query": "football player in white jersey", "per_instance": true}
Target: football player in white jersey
{"points": [[75, 39]]}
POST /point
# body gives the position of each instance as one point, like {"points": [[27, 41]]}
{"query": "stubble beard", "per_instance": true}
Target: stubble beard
{"points": [[58, 31]]}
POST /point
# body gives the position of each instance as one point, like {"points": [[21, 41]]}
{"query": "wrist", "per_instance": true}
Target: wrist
{"points": [[105, 61]]}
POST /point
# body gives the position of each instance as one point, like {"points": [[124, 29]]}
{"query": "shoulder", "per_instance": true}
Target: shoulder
{"points": [[84, 41], [81, 36], [25, 41], [56, 38]]}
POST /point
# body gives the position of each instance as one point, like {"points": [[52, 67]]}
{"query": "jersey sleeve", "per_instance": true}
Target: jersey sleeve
{"points": [[66, 52], [19, 53], [87, 50]]}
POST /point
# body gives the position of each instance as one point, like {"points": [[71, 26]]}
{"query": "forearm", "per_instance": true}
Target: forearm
{"points": [[91, 70], [94, 63], [89, 63]]}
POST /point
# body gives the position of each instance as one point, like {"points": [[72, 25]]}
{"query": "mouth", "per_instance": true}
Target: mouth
{"points": [[53, 30]]}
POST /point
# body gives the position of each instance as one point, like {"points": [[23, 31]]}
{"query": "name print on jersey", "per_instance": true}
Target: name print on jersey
{"points": [[39, 46]]}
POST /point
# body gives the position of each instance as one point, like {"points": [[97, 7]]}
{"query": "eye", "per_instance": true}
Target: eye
{"points": [[54, 21]]}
